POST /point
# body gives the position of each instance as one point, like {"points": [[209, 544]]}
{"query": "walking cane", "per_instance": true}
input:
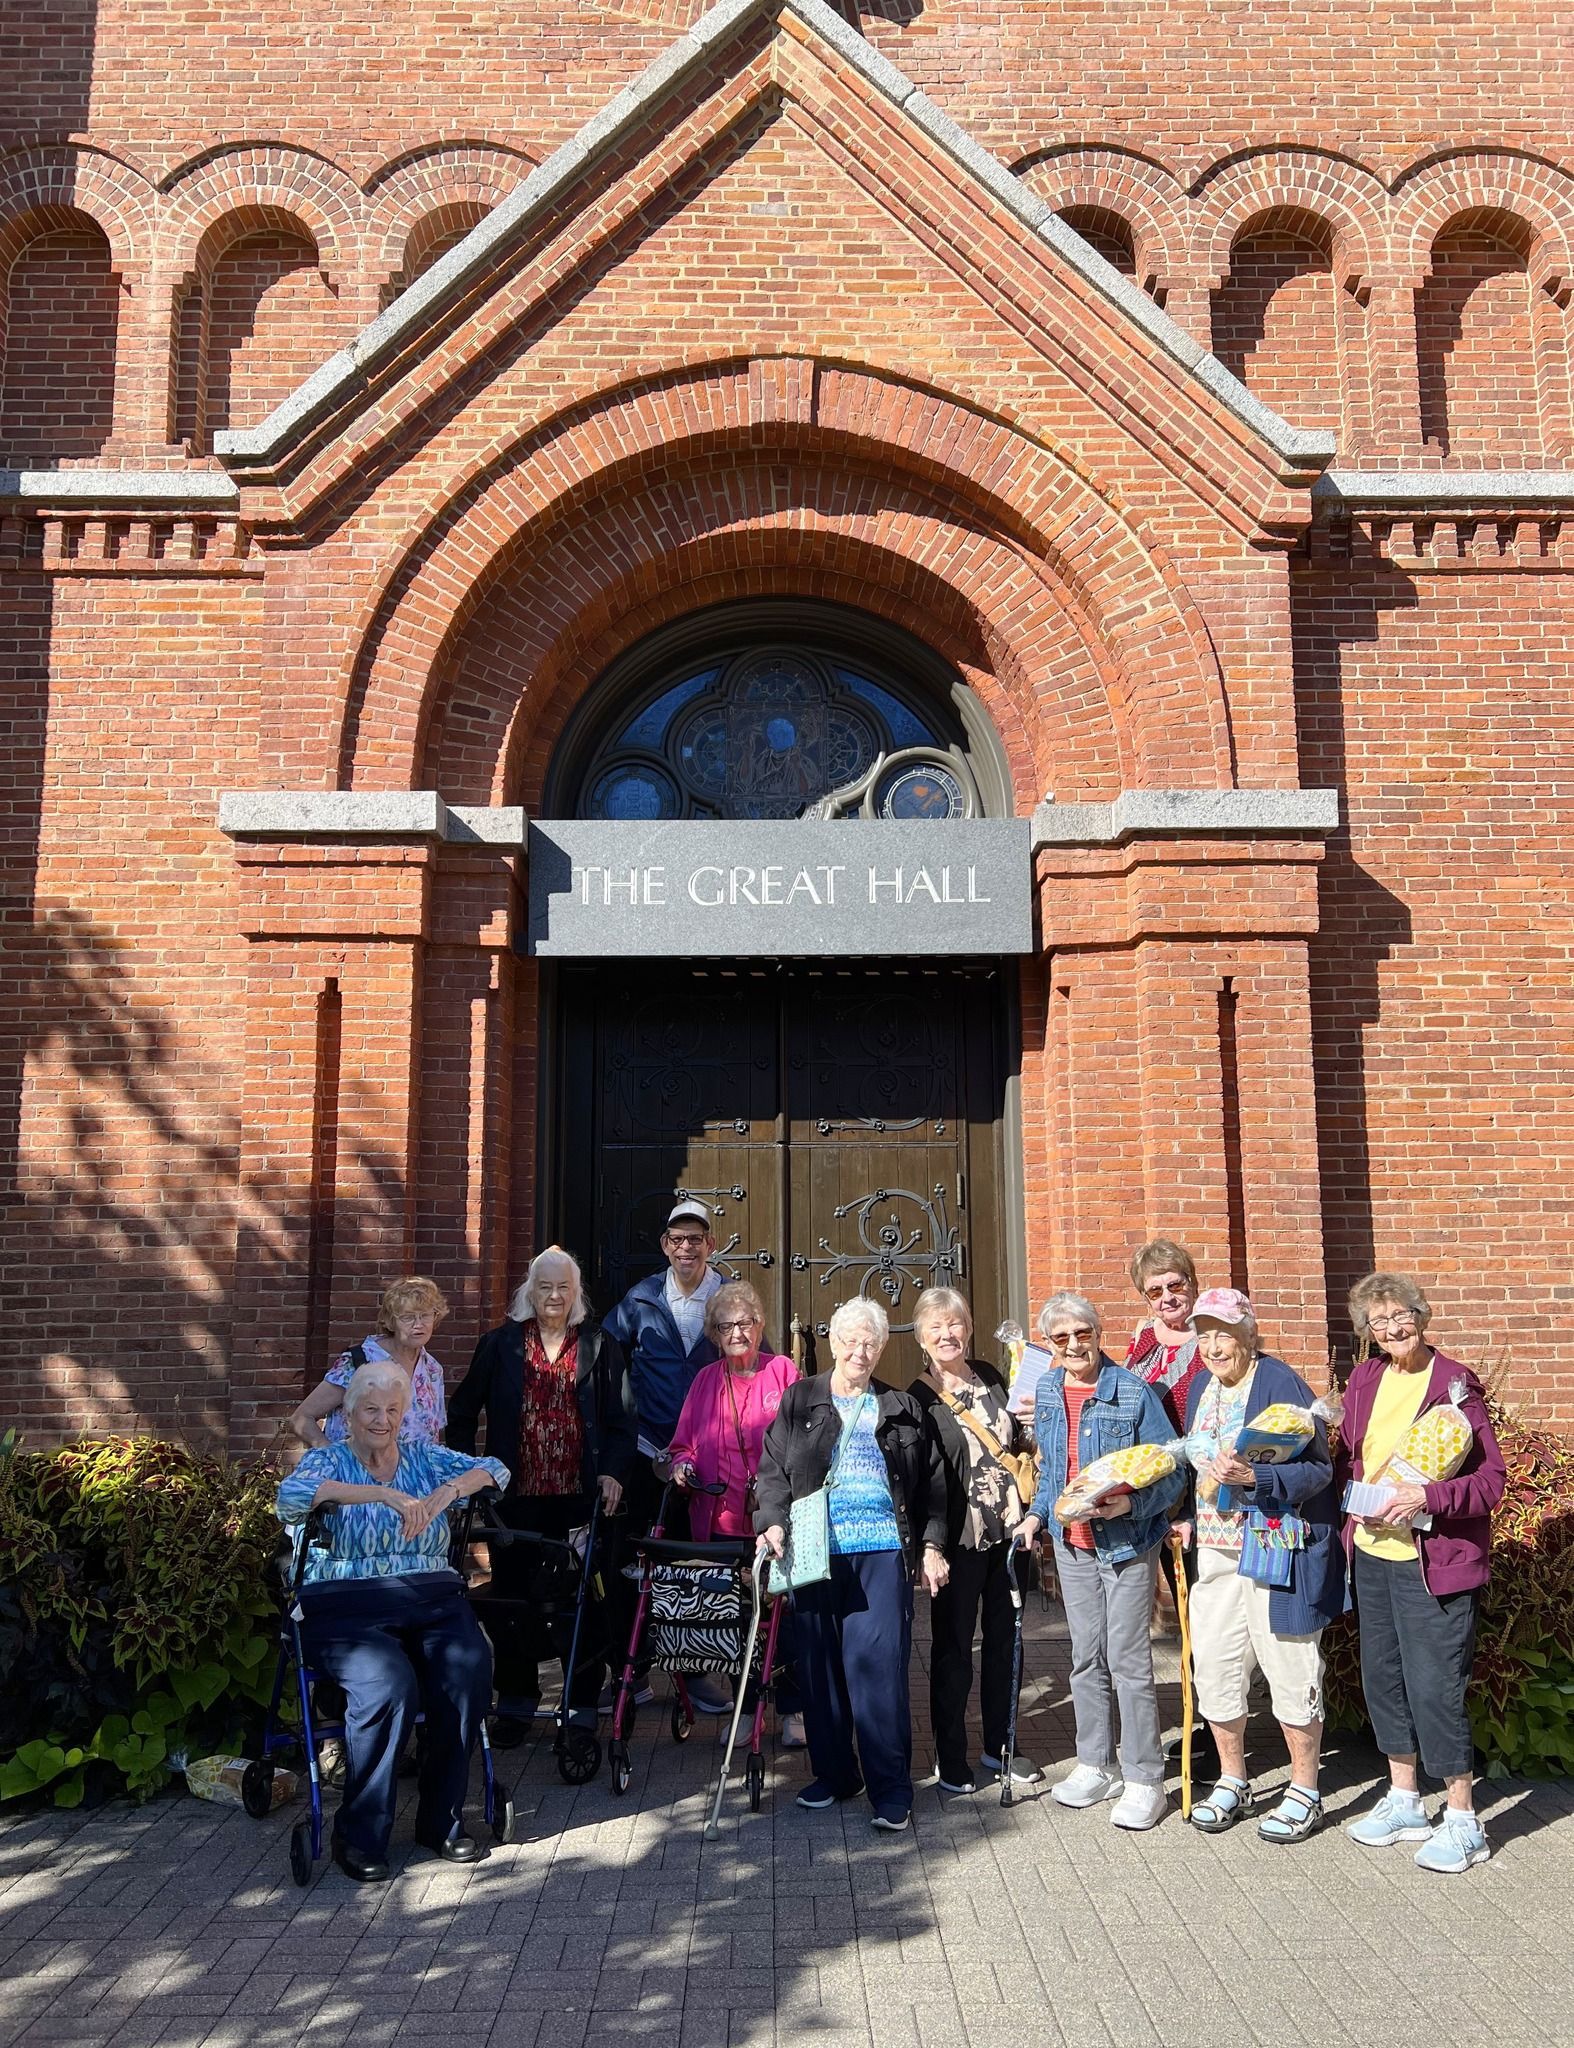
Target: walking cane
{"points": [[761, 1560], [1008, 1761], [1183, 1616]]}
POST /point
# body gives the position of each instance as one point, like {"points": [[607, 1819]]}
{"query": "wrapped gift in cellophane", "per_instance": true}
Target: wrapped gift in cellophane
{"points": [[1116, 1472], [1434, 1447], [1274, 1436]]}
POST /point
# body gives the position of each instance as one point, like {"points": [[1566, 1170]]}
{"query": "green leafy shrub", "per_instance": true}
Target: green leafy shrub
{"points": [[135, 1613], [1522, 1692]]}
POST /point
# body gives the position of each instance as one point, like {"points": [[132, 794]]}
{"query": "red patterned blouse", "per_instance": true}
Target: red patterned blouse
{"points": [[551, 1432]]}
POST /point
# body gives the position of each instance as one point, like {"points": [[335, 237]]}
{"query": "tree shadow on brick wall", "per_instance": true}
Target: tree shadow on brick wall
{"points": [[126, 1198], [1336, 606]]}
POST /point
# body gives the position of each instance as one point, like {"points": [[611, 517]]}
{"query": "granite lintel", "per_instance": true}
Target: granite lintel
{"points": [[1190, 813], [162, 490]]}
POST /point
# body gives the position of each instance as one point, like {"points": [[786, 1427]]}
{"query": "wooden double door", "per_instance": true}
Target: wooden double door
{"points": [[843, 1126]]}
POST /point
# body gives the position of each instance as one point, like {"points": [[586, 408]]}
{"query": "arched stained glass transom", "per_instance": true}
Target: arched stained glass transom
{"points": [[779, 732]]}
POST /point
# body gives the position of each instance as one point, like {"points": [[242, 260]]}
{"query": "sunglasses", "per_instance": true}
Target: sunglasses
{"points": [[1061, 1338]]}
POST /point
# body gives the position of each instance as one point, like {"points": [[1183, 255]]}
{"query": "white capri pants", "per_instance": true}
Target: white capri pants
{"points": [[1231, 1638]]}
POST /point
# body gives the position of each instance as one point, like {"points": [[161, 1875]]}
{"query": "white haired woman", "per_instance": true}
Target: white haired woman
{"points": [[964, 1400], [1088, 1406], [1418, 1587], [385, 1617], [886, 1515], [1270, 1576], [553, 1386], [407, 1319]]}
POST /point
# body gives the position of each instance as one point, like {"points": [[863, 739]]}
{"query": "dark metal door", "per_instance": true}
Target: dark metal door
{"points": [[842, 1126]]}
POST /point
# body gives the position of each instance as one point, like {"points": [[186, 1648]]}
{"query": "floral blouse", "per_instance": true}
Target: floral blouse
{"points": [[994, 1505], [427, 1415]]}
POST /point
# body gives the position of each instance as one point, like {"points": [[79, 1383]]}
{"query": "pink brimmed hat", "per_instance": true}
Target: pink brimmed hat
{"points": [[1223, 1305]]}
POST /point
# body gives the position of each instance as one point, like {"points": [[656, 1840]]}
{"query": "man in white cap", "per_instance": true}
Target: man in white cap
{"points": [[660, 1323]]}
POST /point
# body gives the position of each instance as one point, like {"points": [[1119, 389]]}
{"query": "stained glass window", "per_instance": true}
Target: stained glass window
{"points": [[770, 735]]}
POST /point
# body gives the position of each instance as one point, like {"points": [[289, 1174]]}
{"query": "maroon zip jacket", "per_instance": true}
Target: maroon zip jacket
{"points": [[1456, 1551]]}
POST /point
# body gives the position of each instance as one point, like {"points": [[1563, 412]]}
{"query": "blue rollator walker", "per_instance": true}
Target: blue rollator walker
{"points": [[277, 1740]]}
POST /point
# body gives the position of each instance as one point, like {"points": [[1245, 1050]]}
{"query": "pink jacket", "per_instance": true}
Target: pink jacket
{"points": [[707, 1438]]}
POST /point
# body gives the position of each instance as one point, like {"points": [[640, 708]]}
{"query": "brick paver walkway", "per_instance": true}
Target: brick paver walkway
{"points": [[178, 1925]]}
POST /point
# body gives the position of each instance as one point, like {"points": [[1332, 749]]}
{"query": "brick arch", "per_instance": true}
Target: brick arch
{"points": [[1142, 193], [1349, 200], [1129, 597], [61, 314], [567, 601], [267, 181], [56, 186], [405, 192], [1428, 198]]}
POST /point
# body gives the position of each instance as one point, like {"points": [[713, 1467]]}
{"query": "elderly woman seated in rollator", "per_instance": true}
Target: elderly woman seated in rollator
{"points": [[385, 1616], [885, 1513], [717, 1442], [1270, 1572], [1087, 1408]]}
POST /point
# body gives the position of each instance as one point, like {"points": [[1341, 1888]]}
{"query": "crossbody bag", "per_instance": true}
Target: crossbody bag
{"points": [[1021, 1465], [808, 1555]]}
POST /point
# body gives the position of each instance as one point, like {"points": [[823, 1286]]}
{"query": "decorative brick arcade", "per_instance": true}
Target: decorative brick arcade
{"points": [[1234, 474]]}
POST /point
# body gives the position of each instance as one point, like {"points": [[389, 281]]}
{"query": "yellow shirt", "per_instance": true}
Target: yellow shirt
{"points": [[1399, 1398]]}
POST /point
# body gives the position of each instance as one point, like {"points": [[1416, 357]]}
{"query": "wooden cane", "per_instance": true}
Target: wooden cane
{"points": [[1183, 1616]]}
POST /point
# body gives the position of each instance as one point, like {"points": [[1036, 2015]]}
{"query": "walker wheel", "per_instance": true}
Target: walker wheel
{"points": [[754, 1782], [256, 1789], [579, 1757], [502, 1818], [622, 1769], [682, 1724], [301, 1852]]}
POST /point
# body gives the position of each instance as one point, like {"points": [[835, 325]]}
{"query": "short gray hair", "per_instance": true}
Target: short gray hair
{"points": [[376, 1372], [1398, 1288], [523, 1305], [733, 1295], [860, 1310], [1068, 1304], [940, 1301]]}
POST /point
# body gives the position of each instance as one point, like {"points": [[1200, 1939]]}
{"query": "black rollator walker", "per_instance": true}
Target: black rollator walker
{"points": [[278, 1740], [565, 1574]]}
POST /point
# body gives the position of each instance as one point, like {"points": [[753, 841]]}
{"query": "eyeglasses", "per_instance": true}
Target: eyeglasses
{"points": [[1061, 1338], [685, 1243], [738, 1323], [1401, 1319], [1161, 1288]]}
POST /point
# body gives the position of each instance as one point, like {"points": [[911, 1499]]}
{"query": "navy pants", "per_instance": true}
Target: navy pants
{"points": [[1416, 1652], [855, 1632], [979, 1579], [400, 1647]]}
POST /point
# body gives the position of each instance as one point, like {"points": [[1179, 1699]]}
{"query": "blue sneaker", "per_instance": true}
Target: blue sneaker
{"points": [[817, 1796], [1393, 1819], [1458, 1841]]}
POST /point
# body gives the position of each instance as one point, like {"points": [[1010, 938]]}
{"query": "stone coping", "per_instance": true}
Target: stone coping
{"points": [[152, 489], [1443, 490], [338, 379], [352, 814]]}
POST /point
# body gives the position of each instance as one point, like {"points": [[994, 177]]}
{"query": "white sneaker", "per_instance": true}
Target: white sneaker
{"points": [[793, 1736], [1458, 1843], [1140, 1806], [710, 1693], [1023, 1771], [1087, 1786]]}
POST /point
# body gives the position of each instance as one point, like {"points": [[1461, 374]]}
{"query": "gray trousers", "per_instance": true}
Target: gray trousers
{"points": [[1109, 1608]]}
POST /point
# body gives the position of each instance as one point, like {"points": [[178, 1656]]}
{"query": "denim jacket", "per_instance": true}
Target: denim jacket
{"points": [[1121, 1411]]}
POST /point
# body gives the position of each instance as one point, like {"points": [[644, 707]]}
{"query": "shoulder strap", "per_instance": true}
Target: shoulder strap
{"points": [[357, 1357], [853, 1421], [969, 1420]]}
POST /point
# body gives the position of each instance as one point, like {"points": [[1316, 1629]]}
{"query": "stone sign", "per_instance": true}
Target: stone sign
{"points": [[770, 889]]}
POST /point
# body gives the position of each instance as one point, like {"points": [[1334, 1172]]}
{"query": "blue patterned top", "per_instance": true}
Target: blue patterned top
{"points": [[368, 1538], [862, 1517]]}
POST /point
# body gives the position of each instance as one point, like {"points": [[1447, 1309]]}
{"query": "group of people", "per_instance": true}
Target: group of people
{"points": [[673, 1406]]}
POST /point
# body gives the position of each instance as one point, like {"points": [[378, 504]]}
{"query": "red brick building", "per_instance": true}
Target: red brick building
{"points": [[1154, 427]]}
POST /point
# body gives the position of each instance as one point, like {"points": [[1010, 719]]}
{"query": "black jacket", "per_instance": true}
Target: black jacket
{"points": [[953, 1438], [495, 1386], [796, 1457]]}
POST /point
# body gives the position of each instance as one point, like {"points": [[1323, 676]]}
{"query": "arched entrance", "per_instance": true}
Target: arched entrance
{"points": [[847, 1121]]}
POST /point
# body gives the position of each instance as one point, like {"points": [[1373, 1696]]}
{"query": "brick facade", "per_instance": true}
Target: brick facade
{"points": [[776, 333]]}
